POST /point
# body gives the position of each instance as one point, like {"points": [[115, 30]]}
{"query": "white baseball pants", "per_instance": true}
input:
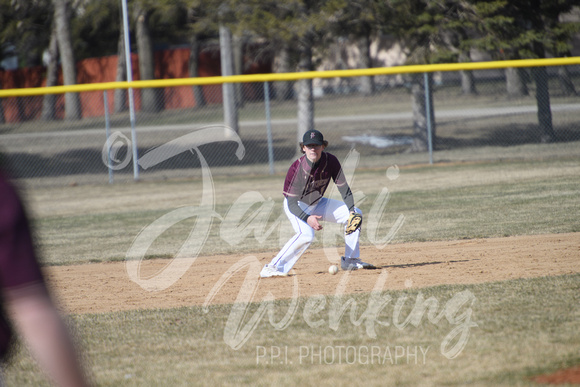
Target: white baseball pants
{"points": [[331, 210]]}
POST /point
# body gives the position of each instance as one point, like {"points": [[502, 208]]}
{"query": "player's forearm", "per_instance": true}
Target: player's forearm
{"points": [[347, 197], [295, 208], [44, 332]]}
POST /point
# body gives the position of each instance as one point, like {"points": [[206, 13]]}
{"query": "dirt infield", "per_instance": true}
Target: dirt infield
{"points": [[567, 376], [106, 287]]}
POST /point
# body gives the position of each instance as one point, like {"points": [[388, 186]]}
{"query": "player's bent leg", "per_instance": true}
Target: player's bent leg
{"points": [[351, 241], [291, 252], [351, 259], [334, 211]]}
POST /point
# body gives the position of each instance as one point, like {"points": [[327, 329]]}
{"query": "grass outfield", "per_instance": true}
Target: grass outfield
{"points": [[524, 328]]}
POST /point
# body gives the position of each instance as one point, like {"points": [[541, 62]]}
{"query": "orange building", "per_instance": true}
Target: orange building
{"points": [[169, 64]]}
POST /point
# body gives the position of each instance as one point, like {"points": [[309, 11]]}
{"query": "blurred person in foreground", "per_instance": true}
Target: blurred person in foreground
{"points": [[26, 303]]}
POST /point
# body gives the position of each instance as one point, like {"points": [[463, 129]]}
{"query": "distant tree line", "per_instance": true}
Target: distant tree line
{"points": [[298, 31]]}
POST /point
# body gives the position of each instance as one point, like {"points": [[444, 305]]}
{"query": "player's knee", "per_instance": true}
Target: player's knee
{"points": [[306, 237], [344, 219]]}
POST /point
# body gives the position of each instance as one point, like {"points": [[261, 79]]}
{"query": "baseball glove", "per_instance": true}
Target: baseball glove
{"points": [[353, 224]]}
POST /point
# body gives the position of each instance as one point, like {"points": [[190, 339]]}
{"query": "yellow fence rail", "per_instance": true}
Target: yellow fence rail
{"points": [[271, 77]]}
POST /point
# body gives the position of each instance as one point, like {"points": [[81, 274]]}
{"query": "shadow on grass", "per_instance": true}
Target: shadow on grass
{"points": [[504, 135], [90, 161]]}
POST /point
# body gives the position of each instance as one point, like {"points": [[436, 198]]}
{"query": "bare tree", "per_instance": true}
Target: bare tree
{"points": [[420, 117], [305, 93], [228, 89], [566, 81], [239, 43], [366, 62], [467, 78], [2, 116], [283, 89], [72, 101], [121, 94], [194, 47], [516, 82], [151, 99], [49, 100]]}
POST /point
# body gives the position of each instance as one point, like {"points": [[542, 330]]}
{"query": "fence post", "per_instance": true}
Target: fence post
{"points": [[428, 114], [269, 127], [107, 134], [130, 91]]}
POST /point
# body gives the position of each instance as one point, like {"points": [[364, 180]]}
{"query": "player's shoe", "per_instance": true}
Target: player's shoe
{"points": [[354, 264], [271, 271]]}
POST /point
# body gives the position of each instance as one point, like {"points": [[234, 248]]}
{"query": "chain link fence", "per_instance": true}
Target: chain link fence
{"points": [[477, 115]]}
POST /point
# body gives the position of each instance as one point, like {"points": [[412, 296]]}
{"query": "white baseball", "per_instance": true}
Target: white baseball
{"points": [[333, 269]]}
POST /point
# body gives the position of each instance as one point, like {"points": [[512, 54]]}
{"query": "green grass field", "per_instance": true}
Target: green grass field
{"points": [[525, 327]]}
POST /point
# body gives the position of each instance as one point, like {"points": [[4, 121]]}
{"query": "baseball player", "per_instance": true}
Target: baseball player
{"points": [[305, 205]]}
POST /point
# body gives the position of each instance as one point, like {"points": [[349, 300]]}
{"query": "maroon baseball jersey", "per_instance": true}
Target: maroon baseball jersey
{"points": [[18, 265], [308, 182]]}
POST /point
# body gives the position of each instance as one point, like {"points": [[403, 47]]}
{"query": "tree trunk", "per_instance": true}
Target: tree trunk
{"points": [[49, 100], [420, 128], [283, 89], [72, 101], [2, 115], [540, 76], [543, 101], [566, 81], [367, 83], [151, 99], [238, 55], [120, 96], [467, 77], [194, 71], [468, 83], [305, 94], [516, 82], [228, 90]]}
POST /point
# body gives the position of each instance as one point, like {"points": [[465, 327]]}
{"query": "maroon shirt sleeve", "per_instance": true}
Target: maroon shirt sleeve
{"points": [[291, 189], [336, 171], [341, 183], [18, 264]]}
